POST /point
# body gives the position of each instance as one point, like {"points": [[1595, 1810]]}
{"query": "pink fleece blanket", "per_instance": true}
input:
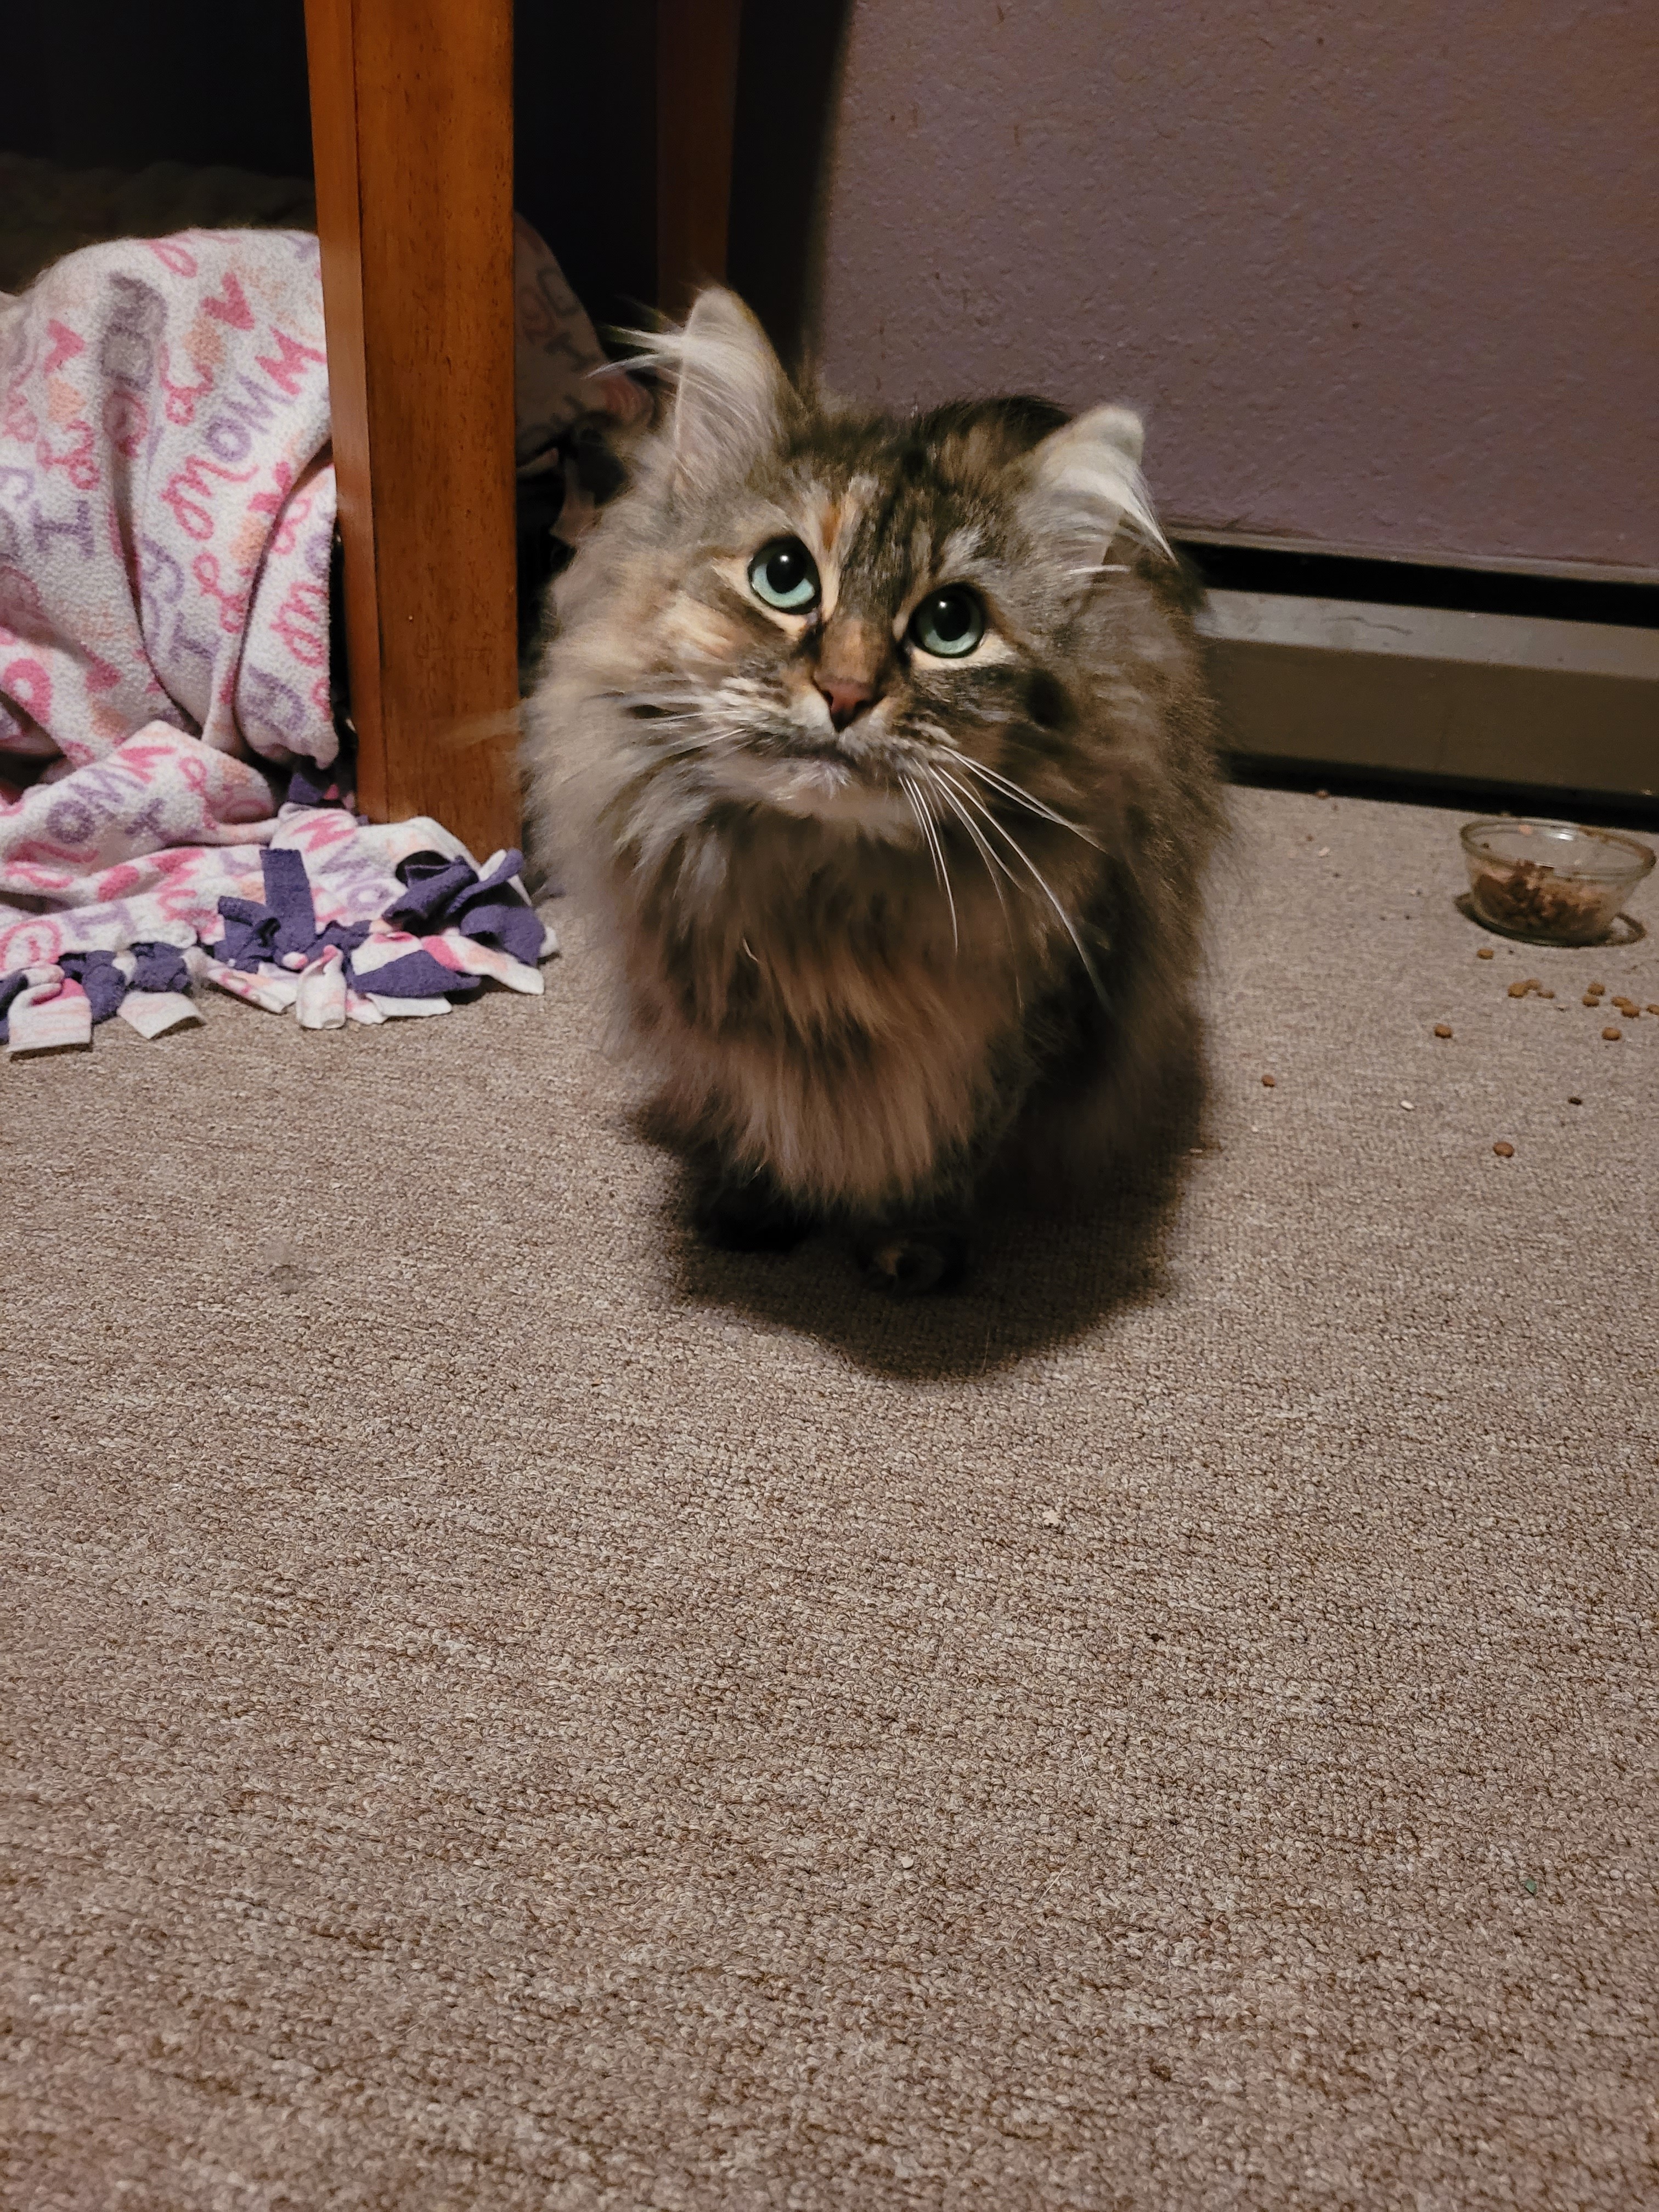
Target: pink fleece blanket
{"points": [[166, 517]]}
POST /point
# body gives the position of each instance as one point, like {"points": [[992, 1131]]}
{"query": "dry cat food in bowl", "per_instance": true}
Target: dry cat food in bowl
{"points": [[1551, 880]]}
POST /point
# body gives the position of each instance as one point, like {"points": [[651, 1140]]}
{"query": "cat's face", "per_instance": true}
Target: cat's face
{"points": [[852, 611]]}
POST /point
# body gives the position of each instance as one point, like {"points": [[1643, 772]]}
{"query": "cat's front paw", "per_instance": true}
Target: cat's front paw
{"points": [[750, 1215], [906, 1263]]}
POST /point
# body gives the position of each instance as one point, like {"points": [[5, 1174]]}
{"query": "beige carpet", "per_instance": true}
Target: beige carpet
{"points": [[503, 1709]]}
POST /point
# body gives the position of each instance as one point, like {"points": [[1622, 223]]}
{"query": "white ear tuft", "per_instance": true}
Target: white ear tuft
{"points": [[731, 390], [1086, 485]]}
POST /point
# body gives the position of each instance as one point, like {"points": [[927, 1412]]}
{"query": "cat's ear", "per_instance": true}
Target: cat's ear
{"points": [[732, 393], [1085, 485]]}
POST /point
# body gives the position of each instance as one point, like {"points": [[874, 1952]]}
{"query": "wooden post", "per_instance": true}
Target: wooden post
{"points": [[411, 108], [697, 103]]}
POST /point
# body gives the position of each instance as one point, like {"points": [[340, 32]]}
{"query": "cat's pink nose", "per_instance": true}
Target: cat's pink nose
{"points": [[846, 698]]}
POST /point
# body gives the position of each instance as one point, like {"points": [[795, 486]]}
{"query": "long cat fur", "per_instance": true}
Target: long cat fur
{"points": [[864, 1001]]}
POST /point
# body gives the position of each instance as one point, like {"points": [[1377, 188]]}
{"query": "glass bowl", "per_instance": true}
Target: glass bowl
{"points": [[1551, 881]]}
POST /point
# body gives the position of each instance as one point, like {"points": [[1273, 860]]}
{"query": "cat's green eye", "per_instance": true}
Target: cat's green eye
{"points": [[783, 574], [949, 623]]}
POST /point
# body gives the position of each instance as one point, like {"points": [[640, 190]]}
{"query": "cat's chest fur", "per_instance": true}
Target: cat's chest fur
{"points": [[825, 1015]]}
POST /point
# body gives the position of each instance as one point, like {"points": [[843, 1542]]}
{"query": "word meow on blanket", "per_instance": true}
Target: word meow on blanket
{"points": [[167, 727]]}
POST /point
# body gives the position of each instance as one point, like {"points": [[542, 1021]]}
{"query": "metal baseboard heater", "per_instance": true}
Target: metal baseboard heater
{"points": [[1542, 683]]}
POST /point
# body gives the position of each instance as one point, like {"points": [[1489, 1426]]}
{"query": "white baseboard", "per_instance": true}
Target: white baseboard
{"points": [[1437, 691]]}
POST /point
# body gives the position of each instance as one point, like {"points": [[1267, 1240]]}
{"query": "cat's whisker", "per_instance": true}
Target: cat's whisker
{"points": [[693, 740], [931, 839], [1021, 797], [921, 817], [1011, 789], [1043, 885], [681, 737], [1002, 781], [995, 867]]}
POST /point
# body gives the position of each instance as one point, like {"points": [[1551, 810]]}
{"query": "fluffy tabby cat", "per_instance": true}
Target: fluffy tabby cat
{"points": [[881, 743]]}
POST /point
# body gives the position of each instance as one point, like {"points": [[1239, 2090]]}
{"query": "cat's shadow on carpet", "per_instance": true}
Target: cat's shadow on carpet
{"points": [[1037, 1281]]}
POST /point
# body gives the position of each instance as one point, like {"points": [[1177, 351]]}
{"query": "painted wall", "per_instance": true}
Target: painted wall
{"points": [[1382, 277]]}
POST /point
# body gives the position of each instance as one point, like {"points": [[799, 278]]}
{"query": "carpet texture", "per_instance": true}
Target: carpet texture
{"points": [[503, 1709]]}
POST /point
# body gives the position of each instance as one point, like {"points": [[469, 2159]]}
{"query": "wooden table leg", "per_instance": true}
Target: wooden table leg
{"points": [[411, 104], [696, 102]]}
